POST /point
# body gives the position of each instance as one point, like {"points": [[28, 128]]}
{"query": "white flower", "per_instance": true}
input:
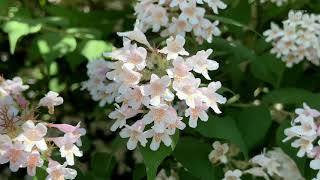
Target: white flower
{"points": [[199, 111], [307, 111], [157, 138], [213, 98], [68, 151], [33, 135], [273, 33], [159, 115], [98, 69], [157, 18], [174, 47], [188, 90], [135, 134], [158, 89], [50, 100], [201, 64], [56, 171], [232, 175], [180, 69], [179, 26], [15, 86], [121, 114], [215, 5], [304, 144], [257, 171], [136, 35], [191, 12], [218, 154], [271, 165]]}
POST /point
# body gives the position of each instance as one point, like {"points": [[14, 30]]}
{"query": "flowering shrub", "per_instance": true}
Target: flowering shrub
{"points": [[25, 140], [159, 89]]}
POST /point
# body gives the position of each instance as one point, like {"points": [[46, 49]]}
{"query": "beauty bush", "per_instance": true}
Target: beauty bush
{"points": [[160, 89]]}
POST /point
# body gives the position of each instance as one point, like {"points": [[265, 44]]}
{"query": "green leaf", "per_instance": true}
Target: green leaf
{"points": [[93, 49], [17, 29], [40, 174], [55, 45], [103, 165], [286, 147], [293, 96], [268, 69], [254, 123], [193, 155], [224, 128], [152, 159], [139, 172]]}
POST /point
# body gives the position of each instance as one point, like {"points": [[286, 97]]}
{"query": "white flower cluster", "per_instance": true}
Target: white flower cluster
{"points": [[274, 163], [305, 132], [24, 140], [178, 17], [148, 82], [277, 2], [299, 38]]}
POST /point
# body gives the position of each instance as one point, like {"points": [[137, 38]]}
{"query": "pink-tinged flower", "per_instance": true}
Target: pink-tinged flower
{"points": [[201, 64], [98, 69], [305, 145], [174, 47], [213, 98], [33, 161], [307, 111], [22, 102], [179, 27], [51, 100], [15, 86], [33, 135], [232, 175], [315, 152], [188, 90], [176, 122], [158, 17], [128, 77], [191, 12], [56, 171], [157, 138], [16, 155], [135, 134], [159, 115], [135, 35], [307, 126], [121, 114], [199, 111], [157, 89], [5, 143], [75, 131], [134, 98], [180, 69]]}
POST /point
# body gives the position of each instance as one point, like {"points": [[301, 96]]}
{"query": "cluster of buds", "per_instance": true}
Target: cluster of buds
{"points": [[299, 38], [277, 2], [178, 17], [305, 131], [270, 164], [25, 140], [147, 83]]}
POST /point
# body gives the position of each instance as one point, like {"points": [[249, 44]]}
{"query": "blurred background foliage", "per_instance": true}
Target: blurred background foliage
{"points": [[48, 44]]}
